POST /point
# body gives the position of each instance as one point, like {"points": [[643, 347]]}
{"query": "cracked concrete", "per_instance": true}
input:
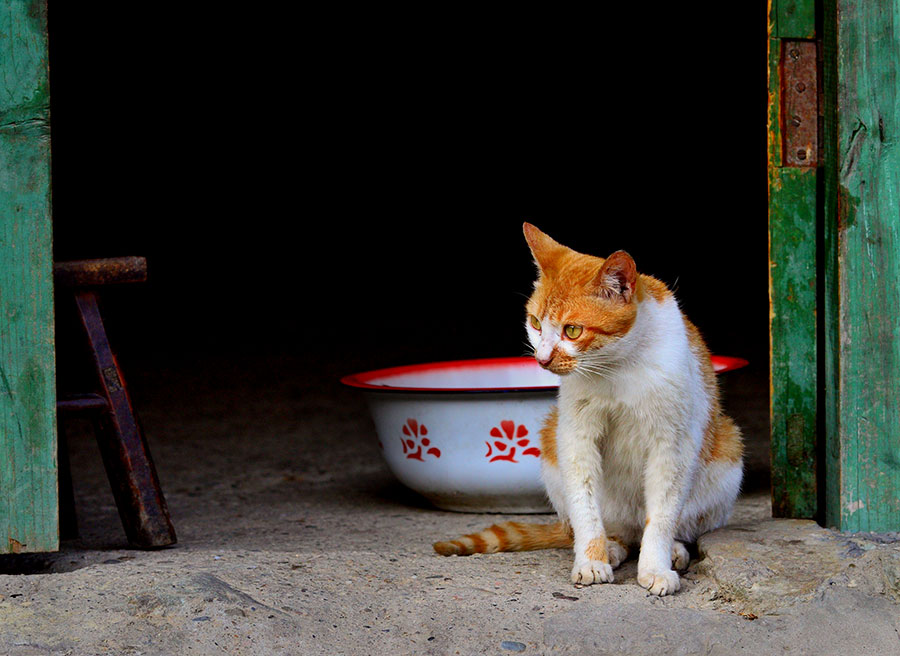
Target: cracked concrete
{"points": [[295, 539]]}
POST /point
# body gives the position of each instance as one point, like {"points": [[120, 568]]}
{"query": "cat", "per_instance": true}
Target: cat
{"points": [[638, 450]]}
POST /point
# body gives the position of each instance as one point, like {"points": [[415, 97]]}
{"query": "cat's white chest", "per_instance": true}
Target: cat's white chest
{"points": [[613, 423], [627, 404], [618, 429]]}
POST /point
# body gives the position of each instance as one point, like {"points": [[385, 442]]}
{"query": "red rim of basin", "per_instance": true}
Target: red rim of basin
{"points": [[721, 364]]}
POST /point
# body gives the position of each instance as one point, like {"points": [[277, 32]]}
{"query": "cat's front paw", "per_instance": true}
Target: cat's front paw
{"points": [[588, 572], [660, 582]]}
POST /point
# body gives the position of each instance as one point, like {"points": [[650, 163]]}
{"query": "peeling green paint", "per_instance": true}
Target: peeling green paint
{"points": [[862, 265], [794, 19], [28, 502], [793, 335], [792, 291]]}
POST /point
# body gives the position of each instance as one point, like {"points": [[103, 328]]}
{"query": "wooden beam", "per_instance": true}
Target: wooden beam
{"points": [[792, 262], [28, 470], [792, 256], [862, 321]]}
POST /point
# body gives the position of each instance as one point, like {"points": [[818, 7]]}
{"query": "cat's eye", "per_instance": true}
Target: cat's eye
{"points": [[572, 332], [534, 322]]}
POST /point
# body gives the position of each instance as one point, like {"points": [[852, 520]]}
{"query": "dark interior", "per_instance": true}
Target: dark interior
{"points": [[348, 191]]}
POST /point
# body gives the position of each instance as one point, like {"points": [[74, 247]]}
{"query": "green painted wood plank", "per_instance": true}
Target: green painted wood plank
{"points": [[792, 288], [28, 495], [867, 224], [792, 19], [792, 294]]}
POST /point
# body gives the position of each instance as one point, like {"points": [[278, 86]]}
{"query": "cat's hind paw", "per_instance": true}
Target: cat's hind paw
{"points": [[617, 552], [681, 558], [661, 583], [588, 572]]}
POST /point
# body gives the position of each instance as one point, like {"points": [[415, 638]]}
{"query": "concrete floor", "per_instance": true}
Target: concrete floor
{"points": [[295, 539]]}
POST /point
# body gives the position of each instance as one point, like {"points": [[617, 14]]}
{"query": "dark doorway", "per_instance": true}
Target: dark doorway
{"points": [[349, 191]]}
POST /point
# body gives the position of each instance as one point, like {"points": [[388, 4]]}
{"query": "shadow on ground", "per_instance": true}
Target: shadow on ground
{"points": [[295, 539]]}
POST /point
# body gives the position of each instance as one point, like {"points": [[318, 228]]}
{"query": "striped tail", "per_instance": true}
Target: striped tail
{"points": [[509, 536]]}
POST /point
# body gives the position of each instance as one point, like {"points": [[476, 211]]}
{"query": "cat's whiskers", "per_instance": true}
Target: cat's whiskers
{"points": [[529, 349], [584, 373], [596, 364], [588, 375], [587, 368]]}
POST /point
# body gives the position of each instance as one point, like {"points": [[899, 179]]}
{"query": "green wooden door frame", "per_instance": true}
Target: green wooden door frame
{"points": [[862, 264], [834, 234], [28, 474], [792, 275]]}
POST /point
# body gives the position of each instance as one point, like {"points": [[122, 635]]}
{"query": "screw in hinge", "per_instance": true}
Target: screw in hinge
{"points": [[800, 87], [795, 54], [801, 154], [795, 121]]}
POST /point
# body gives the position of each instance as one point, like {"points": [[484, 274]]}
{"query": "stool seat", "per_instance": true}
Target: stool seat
{"points": [[106, 271], [126, 457]]}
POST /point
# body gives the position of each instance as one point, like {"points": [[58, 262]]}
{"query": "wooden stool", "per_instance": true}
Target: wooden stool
{"points": [[135, 485]]}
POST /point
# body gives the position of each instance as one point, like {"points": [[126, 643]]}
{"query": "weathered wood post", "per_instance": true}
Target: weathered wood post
{"points": [[834, 230], [28, 476], [793, 166], [861, 264]]}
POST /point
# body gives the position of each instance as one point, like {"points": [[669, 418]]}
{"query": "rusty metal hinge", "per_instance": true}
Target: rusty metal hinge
{"points": [[799, 103]]}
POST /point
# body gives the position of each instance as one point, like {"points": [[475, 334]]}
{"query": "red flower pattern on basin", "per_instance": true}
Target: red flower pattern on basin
{"points": [[415, 441], [507, 441]]}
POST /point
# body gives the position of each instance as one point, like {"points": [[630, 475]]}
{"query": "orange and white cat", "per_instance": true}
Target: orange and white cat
{"points": [[638, 450]]}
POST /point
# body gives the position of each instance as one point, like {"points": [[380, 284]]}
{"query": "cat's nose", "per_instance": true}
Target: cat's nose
{"points": [[544, 360]]}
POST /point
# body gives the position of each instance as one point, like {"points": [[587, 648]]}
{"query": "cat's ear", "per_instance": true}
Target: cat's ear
{"points": [[617, 277], [544, 249]]}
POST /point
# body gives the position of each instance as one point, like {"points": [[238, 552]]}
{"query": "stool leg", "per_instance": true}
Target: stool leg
{"points": [[135, 485], [68, 520]]}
